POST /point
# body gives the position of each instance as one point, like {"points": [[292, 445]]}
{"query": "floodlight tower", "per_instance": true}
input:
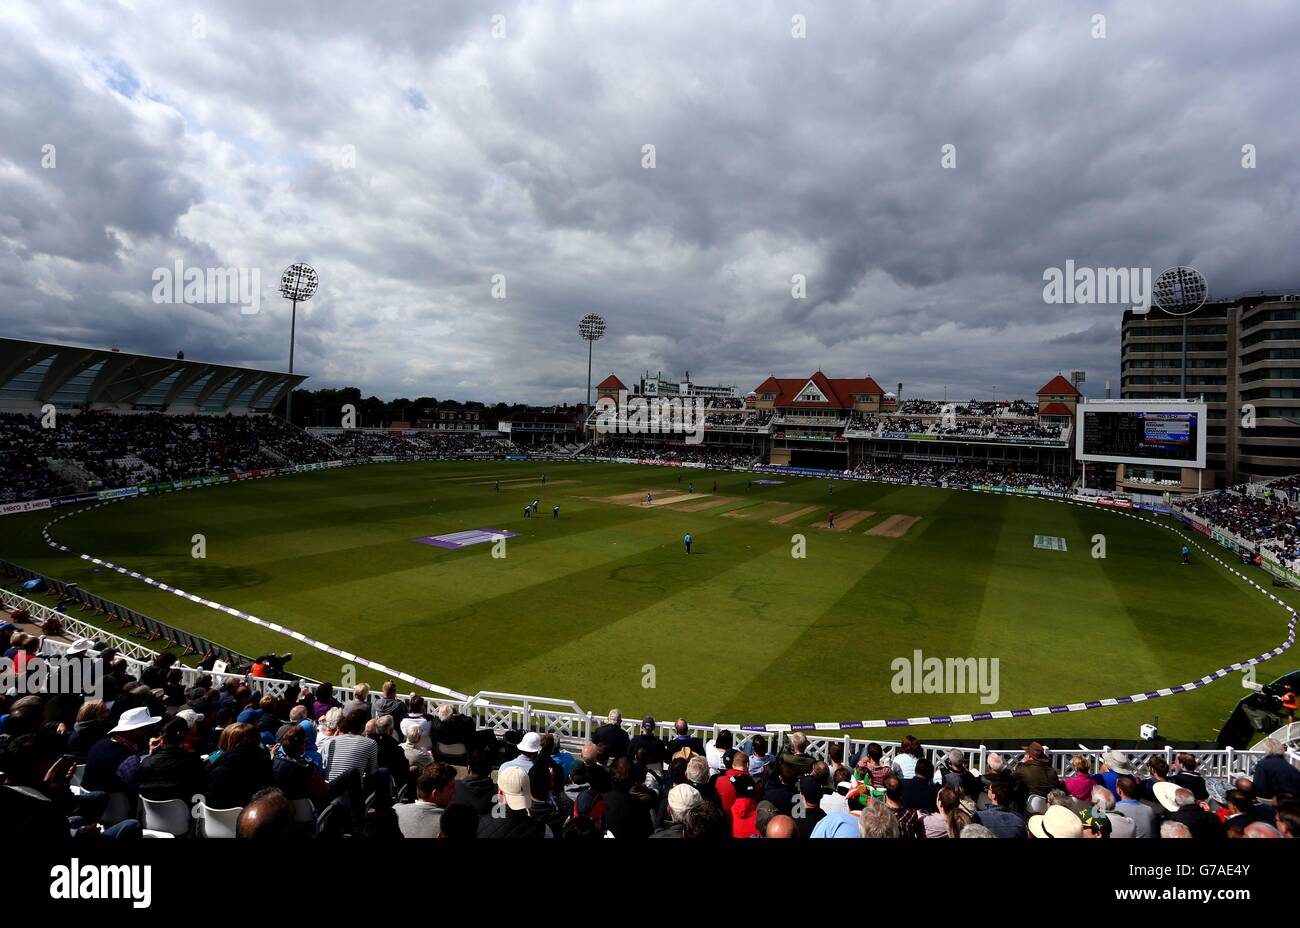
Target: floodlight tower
{"points": [[590, 327], [297, 283], [1180, 291]]}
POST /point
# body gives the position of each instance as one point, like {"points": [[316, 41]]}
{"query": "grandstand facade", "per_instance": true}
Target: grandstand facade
{"points": [[74, 378], [854, 426]]}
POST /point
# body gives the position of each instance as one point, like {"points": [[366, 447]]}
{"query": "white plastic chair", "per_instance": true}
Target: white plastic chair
{"points": [[219, 823], [304, 813], [169, 815], [455, 754]]}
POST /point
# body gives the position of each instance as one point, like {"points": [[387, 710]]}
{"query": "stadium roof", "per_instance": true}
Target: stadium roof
{"points": [[35, 373], [1056, 409], [837, 393], [611, 383], [1056, 385]]}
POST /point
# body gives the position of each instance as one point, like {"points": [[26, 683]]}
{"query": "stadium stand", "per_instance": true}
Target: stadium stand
{"points": [[94, 450], [382, 764], [1262, 517]]}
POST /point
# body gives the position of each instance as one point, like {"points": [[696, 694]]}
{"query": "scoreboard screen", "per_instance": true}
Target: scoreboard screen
{"points": [[1143, 433]]}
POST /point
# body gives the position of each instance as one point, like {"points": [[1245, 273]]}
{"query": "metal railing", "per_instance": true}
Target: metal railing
{"points": [[126, 618], [73, 627]]}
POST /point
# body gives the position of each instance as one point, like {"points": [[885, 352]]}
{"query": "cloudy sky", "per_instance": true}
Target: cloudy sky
{"points": [[412, 151]]}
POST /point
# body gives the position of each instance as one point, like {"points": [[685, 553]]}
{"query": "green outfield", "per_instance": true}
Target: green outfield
{"points": [[604, 601]]}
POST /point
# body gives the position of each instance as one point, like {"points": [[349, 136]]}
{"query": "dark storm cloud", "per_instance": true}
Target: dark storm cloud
{"points": [[411, 155]]}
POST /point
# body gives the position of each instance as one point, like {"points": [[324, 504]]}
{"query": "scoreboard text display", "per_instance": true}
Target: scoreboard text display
{"points": [[1169, 434]]}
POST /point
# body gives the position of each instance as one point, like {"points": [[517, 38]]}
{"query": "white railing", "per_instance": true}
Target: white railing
{"points": [[573, 727], [75, 628]]}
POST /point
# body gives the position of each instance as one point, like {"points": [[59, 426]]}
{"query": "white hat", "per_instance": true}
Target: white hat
{"points": [[682, 798], [531, 743], [190, 716], [1166, 794], [1056, 822], [133, 719], [80, 646], [513, 784]]}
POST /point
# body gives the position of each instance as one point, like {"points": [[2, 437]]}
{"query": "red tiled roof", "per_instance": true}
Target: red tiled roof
{"points": [[611, 383], [838, 391], [1056, 409], [1058, 384]]}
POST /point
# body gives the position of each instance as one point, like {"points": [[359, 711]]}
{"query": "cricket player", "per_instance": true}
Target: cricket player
{"points": [[555, 512], [498, 486], [649, 500], [528, 512], [1186, 552], [687, 539], [830, 520], [536, 503]]}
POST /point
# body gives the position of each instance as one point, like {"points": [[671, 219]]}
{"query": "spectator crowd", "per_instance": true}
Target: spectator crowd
{"points": [[311, 763]]}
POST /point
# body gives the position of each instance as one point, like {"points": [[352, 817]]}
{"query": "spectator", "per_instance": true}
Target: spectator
{"points": [[360, 700], [797, 756], [268, 814], [682, 738], [759, 757], [389, 704], [1274, 775], [515, 801], [1182, 807], [627, 804], [999, 818], [350, 750], [477, 790], [242, 769], [1131, 807], [919, 790], [909, 820], [612, 735], [295, 775], [706, 820], [434, 791], [648, 742], [170, 771], [1036, 772], [1079, 783], [681, 799], [416, 756], [128, 738]]}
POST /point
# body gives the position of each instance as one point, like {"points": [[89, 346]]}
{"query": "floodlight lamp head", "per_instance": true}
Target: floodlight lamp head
{"points": [[1180, 291], [591, 327], [298, 282]]}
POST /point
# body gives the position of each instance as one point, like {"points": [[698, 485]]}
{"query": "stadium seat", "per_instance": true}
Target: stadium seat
{"points": [[77, 773], [219, 823], [457, 754], [168, 815], [304, 814]]}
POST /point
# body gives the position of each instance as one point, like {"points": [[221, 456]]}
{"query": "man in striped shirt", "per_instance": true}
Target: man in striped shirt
{"points": [[350, 750]]}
